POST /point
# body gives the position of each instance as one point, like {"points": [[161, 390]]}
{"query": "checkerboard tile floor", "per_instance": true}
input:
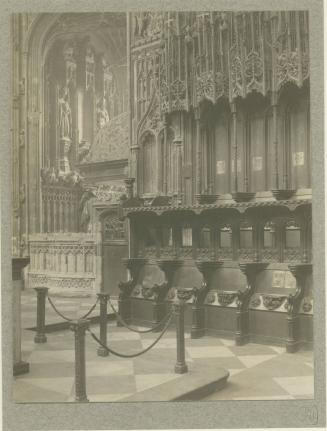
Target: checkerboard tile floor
{"points": [[256, 371], [72, 307]]}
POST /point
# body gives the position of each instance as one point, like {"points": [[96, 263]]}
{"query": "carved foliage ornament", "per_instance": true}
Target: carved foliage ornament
{"points": [[226, 298], [253, 72], [288, 68], [210, 87], [273, 302]]}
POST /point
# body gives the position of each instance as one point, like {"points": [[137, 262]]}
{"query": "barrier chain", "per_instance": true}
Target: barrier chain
{"points": [[134, 355], [67, 318], [139, 331]]}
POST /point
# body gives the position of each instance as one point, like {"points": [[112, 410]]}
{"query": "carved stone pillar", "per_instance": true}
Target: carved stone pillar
{"points": [[198, 153], [300, 272], [135, 149], [79, 327], [207, 268], [250, 270], [40, 336], [179, 163], [134, 266], [234, 146], [103, 298], [19, 366]]}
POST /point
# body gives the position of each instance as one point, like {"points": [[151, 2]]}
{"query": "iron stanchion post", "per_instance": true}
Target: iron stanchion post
{"points": [[79, 327], [178, 308], [40, 336], [103, 298]]}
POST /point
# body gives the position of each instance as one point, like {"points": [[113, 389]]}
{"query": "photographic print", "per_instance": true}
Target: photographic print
{"points": [[161, 212]]}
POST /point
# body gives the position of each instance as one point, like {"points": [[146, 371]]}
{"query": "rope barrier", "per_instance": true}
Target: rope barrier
{"points": [[139, 331], [67, 318], [122, 355]]}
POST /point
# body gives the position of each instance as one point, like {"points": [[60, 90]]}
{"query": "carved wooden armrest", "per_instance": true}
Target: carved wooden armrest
{"points": [[126, 288], [294, 300], [199, 293]]}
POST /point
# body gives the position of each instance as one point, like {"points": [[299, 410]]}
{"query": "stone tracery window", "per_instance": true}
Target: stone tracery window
{"points": [[113, 228]]}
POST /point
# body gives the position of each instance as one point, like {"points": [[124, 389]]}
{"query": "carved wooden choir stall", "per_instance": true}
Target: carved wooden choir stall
{"points": [[219, 194]]}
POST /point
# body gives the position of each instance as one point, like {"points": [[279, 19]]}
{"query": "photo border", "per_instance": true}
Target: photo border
{"points": [[167, 415]]}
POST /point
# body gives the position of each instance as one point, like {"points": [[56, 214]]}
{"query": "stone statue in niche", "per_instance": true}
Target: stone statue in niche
{"points": [[102, 113], [141, 25], [65, 116], [85, 210], [89, 67], [83, 150]]}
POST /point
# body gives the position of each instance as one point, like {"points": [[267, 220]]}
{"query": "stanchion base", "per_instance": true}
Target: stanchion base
{"points": [[181, 368], [40, 338], [102, 351], [292, 347], [82, 400], [197, 333], [240, 340]]}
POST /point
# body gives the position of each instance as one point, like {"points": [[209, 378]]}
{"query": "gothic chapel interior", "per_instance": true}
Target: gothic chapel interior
{"points": [[165, 154]]}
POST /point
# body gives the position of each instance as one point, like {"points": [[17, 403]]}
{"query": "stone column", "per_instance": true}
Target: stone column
{"points": [[178, 309], [103, 298], [300, 272], [134, 166], [19, 366], [234, 146], [179, 163], [79, 327], [250, 270], [198, 175], [40, 336]]}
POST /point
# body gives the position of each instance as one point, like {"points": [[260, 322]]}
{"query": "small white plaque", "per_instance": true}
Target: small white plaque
{"points": [[257, 163], [298, 159], [238, 165], [290, 282], [278, 279], [220, 167]]}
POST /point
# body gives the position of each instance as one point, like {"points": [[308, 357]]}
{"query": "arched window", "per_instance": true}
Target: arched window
{"points": [[113, 228]]}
